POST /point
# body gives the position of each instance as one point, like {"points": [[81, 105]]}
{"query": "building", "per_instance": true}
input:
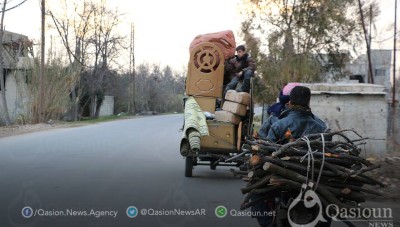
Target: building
{"points": [[355, 103], [382, 68], [16, 64]]}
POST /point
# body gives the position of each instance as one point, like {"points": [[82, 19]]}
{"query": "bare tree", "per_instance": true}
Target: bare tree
{"points": [[74, 32], [58, 81], [106, 45], [91, 42]]}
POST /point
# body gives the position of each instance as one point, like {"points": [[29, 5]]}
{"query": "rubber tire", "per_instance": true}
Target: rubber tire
{"points": [[213, 167], [188, 166]]}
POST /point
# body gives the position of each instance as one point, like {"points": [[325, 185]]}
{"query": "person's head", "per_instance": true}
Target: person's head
{"points": [[288, 88], [240, 50], [285, 92], [300, 96], [284, 99]]}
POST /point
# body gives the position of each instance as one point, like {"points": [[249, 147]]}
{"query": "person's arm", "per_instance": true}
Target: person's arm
{"points": [[233, 69], [263, 131], [274, 133], [266, 126], [324, 127], [251, 64], [321, 122], [229, 65]]}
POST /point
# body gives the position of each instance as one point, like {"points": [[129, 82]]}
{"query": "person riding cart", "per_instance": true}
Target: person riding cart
{"points": [[214, 131], [240, 67]]}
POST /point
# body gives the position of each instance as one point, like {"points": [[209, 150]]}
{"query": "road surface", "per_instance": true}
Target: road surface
{"points": [[91, 175], [109, 167]]}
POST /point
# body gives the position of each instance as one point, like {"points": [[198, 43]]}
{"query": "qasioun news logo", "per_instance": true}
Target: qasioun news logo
{"points": [[373, 216]]}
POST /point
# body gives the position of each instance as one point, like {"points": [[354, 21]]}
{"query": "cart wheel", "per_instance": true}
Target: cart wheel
{"points": [[189, 166], [213, 164], [213, 167]]}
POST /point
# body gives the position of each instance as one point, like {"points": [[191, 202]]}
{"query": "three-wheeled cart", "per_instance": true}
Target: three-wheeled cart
{"points": [[214, 126]]}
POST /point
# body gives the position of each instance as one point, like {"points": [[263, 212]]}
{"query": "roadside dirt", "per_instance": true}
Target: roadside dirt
{"points": [[14, 130], [389, 175]]}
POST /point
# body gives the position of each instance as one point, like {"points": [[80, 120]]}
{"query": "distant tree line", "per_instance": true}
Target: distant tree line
{"points": [[93, 48], [86, 67], [156, 89]]}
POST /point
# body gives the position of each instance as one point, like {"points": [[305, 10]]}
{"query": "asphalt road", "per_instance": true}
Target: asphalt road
{"points": [[106, 168], [109, 167]]}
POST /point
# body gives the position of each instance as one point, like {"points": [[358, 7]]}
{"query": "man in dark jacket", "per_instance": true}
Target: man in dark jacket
{"points": [[275, 110], [297, 120], [242, 66], [294, 122]]}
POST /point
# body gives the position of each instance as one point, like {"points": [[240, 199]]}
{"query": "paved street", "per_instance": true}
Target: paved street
{"points": [[109, 167]]}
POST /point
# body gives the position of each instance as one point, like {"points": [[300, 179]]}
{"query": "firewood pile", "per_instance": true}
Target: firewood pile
{"points": [[328, 163]]}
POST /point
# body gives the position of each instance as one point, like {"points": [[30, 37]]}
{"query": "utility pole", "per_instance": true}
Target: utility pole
{"points": [[394, 56], [42, 73], [130, 96], [370, 72], [370, 25], [132, 73], [369, 46]]}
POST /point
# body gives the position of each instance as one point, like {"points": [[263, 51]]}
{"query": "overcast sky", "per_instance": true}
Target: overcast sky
{"points": [[164, 29]]}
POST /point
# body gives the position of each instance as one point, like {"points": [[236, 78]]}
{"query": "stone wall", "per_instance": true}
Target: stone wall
{"points": [[361, 107]]}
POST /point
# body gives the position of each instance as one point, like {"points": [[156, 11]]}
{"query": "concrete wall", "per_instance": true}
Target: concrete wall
{"points": [[16, 60], [107, 107], [15, 46], [382, 64], [17, 96], [361, 107]]}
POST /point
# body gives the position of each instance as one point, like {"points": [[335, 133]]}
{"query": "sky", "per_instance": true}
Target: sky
{"points": [[164, 29]]}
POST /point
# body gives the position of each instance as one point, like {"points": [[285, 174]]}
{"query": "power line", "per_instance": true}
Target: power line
{"points": [[8, 2], [386, 39], [14, 6]]}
